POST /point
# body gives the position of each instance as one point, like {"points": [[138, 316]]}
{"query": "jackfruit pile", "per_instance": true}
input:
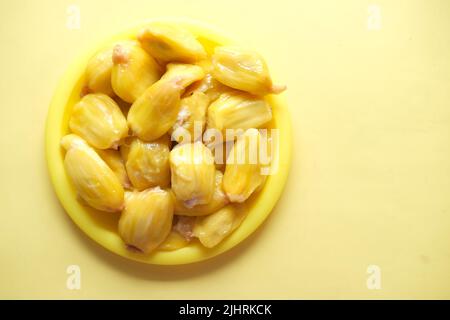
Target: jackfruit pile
{"points": [[137, 143]]}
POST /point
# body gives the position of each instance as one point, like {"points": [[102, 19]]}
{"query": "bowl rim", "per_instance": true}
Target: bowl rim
{"points": [[54, 130]]}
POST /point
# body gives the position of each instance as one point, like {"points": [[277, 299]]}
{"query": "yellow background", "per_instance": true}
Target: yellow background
{"points": [[370, 180]]}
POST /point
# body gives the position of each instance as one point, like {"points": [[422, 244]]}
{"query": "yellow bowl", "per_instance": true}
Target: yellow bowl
{"points": [[102, 227]]}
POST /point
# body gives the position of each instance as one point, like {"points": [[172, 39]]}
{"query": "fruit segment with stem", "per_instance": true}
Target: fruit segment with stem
{"points": [[133, 71]]}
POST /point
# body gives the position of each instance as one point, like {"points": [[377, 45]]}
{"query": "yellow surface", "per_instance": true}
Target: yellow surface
{"points": [[369, 183], [102, 227]]}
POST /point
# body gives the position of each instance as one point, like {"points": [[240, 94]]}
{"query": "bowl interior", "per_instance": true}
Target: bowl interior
{"points": [[101, 226]]}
